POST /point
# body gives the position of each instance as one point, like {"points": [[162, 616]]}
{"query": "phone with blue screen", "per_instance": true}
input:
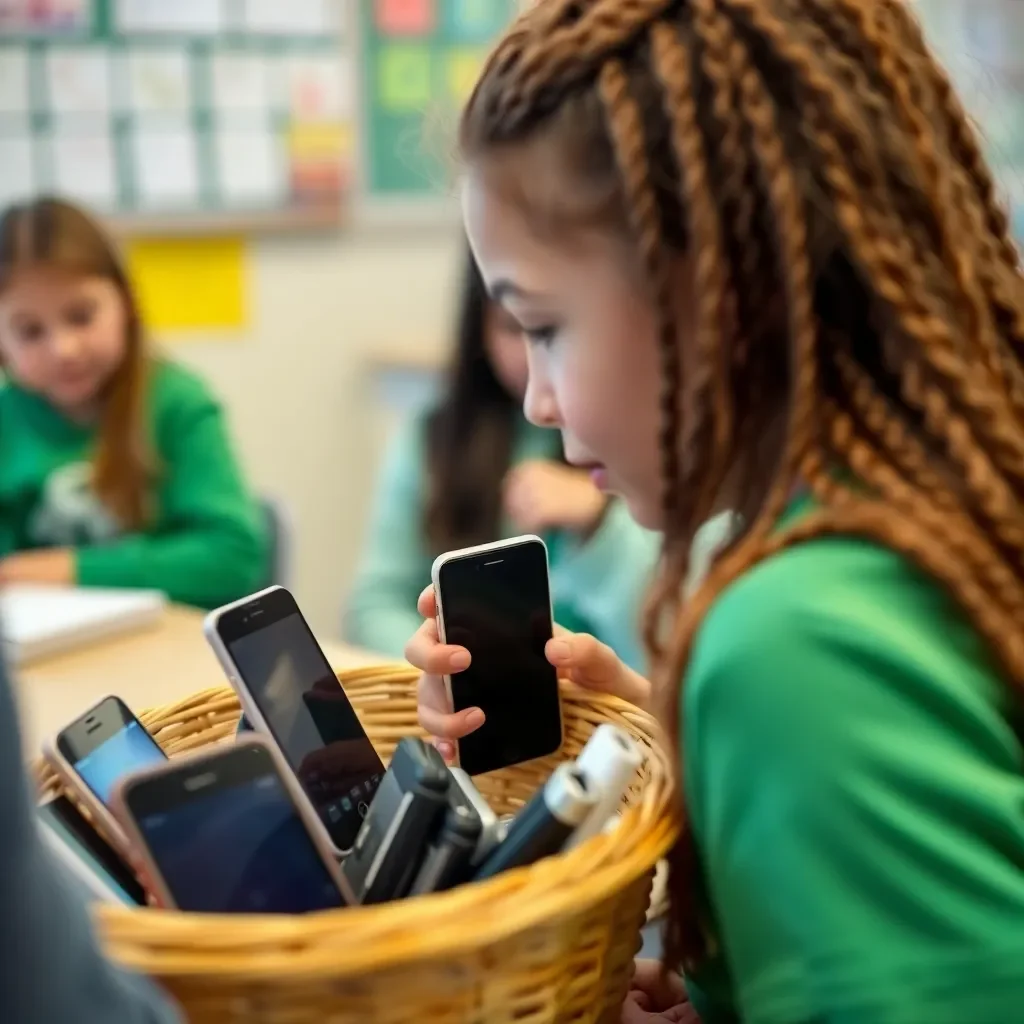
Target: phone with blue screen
{"points": [[96, 751], [229, 831]]}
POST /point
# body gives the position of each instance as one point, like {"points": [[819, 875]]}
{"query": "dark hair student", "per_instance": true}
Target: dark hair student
{"points": [[470, 469]]}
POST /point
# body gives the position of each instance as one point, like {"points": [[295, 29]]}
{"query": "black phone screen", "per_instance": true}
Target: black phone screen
{"points": [[306, 709], [497, 605], [227, 838]]}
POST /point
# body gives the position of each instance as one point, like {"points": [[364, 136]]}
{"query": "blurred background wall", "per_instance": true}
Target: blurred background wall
{"points": [[318, 382], [310, 129]]}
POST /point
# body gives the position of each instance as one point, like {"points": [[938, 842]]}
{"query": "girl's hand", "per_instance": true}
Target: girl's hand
{"points": [[50, 565], [541, 496], [577, 656], [655, 996]]}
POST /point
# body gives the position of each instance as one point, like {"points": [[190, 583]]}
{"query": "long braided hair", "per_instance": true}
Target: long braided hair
{"points": [[853, 275]]}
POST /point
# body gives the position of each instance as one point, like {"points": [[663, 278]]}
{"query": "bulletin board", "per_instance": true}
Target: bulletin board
{"points": [[180, 114], [420, 61]]}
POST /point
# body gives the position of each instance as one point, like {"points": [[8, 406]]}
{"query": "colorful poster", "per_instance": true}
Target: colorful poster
{"points": [[184, 17], [46, 16], [83, 167], [320, 162], [158, 81], [462, 69], [476, 21], [320, 87], [405, 17], [187, 284], [166, 168], [404, 83], [78, 80], [250, 168], [241, 82]]}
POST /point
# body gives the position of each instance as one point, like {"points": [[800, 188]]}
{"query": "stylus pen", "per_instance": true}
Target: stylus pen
{"points": [[544, 824], [609, 762]]}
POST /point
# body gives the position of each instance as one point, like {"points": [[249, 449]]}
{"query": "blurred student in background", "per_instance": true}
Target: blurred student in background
{"points": [[473, 470], [116, 468]]}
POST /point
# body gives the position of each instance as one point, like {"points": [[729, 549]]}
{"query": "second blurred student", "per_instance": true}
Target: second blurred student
{"points": [[116, 468], [472, 470]]}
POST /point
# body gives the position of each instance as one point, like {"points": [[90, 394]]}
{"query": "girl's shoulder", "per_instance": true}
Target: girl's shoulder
{"points": [[832, 608], [171, 384], [175, 391]]}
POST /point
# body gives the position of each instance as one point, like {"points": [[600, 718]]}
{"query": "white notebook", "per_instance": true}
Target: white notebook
{"points": [[39, 621]]}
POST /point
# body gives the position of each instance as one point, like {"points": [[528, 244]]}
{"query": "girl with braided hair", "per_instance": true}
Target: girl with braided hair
{"points": [[761, 265]]}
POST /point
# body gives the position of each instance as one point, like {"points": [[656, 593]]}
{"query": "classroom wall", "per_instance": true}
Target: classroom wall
{"points": [[310, 415]]}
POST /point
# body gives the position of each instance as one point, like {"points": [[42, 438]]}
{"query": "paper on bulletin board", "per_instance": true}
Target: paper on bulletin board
{"points": [[187, 284]]}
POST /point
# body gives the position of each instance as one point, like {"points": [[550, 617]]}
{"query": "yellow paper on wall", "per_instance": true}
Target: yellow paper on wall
{"points": [[186, 284]]}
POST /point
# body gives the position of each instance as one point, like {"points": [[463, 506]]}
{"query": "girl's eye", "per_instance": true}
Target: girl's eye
{"points": [[543, 336], [29, 331], [81, 316]]}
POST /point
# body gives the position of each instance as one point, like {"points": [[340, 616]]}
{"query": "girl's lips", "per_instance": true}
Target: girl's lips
{"points": [[599, 477]]}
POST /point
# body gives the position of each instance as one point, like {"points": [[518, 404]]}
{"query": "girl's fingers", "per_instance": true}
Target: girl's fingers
{"points": [[450, 725], [426, 605], [426, 653]]}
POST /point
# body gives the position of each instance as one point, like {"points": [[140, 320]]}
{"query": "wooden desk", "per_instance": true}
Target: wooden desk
{"points": [[154, 666]]}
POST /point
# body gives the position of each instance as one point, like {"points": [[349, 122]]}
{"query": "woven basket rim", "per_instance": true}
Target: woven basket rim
{"points": [[429, 927]]}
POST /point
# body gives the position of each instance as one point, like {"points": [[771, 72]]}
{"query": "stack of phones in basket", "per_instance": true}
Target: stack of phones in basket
{"points": [[303, 816]]}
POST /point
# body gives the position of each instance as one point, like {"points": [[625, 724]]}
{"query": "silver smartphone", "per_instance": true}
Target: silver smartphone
{"points": [[229, 831], [495, 600], [291, 694], [95, 750]]}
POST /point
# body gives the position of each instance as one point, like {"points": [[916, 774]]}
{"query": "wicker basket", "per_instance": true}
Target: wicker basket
{"points": [[552, 942]]}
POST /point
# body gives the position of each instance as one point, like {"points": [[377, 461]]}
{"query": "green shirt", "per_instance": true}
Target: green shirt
{"points": [[857, 797], [596, 587], [206, 544]]}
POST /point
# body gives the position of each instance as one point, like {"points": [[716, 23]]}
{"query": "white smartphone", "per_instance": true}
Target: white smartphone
{"points": [[229, 831], [95, 751], [291, 695], [495, 600]]}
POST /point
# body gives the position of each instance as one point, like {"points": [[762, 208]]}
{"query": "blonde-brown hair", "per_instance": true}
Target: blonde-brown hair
{"points": [[52, 233], [852, 271]]}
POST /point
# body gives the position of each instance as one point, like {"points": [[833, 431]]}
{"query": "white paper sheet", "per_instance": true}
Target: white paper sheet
{"points": [[17, 176], [291, 17], [250, 167], [319, 87], [166, 168], [78, 79], [38, 621], [14, 95], [188, 17], [83, 167], [241, 82], [157, 81]]}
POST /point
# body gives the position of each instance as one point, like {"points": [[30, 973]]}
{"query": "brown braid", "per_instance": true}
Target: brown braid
{"points": [[853, 280]]}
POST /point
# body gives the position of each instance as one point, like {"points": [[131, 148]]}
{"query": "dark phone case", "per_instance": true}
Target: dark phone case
{"points": [[388, 852], [447, 862], [534, 833]]}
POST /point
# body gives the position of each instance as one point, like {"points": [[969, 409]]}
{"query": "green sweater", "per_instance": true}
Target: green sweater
{"points": [[596, 587], [206, 544], [857, 797]]}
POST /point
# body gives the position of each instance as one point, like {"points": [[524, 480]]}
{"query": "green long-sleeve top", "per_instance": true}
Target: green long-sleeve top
{"points": [[855, 784], [206, 542], [597, 586]]}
